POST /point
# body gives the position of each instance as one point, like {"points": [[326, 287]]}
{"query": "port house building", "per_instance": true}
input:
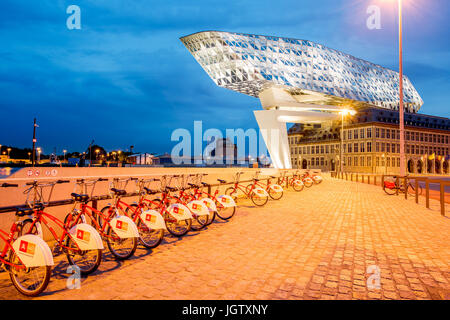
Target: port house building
{"points": [[310, 85]]}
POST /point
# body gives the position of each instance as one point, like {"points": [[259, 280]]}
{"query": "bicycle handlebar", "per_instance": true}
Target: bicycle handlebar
{"points": [[8, 185]]}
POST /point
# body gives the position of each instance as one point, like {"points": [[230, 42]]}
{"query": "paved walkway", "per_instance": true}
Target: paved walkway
{"points": [[316, 244]]}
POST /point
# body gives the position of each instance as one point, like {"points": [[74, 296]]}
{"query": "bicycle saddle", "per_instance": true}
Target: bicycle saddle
{"points": [[119, 192], [24, 211], [193, 185], [171, 188], [221, 181], [80, 197], [150, 191]]}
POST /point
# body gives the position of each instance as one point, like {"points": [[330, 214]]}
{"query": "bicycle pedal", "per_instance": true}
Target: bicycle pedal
{"points": [[57, 251]]}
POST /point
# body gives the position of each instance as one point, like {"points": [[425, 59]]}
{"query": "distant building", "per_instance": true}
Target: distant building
{"points": [[142, 159]]}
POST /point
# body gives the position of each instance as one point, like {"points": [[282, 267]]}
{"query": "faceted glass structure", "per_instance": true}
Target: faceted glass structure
{"points": [[309, 71]]}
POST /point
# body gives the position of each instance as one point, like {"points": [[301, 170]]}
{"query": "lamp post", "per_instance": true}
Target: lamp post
{"points": [[401, 110], [64, 151], [96, 154], [343, 113], [9, 150]]}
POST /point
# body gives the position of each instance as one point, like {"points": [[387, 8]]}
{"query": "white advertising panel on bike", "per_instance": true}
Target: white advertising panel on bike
{"points": [[179, 211], [260, 192], [33, 251], [226, 201], [198, 208], [124, 227], [86, 237], [209, 203], [153, 220], [276, 188], [298, 182]]}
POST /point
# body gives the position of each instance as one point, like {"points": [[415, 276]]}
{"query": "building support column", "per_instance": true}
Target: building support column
{"points": [[274, 133]]}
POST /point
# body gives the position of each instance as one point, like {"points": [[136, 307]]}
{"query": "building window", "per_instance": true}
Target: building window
{"points": [[361, 133], [356, 162], [388, 162], [327, 149], [322, 161], [362, 161], [383, 133], [388, 133], [312, 149], [369, 161], [363, 149], [350, 148], [388, 147], [378, 161], [349, 161], [345, 148], [369, 132], [317, 149], [317, 162], [349, 135], [355, 134], [377, 147], [369, 146], [383, 147], [322, 149], [355, 147], [398, 162], [377, 132]]}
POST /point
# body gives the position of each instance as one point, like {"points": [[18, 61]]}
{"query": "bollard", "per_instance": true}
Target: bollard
{"points": [[406, 184], [442, 198], [427, 193], [417, 190]]}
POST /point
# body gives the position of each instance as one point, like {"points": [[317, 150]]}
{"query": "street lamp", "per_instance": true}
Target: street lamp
{"points": [[29, 156], [96, 154], [64, 151], [9, 150], [401, 111], [343, 113], [39, 154]]}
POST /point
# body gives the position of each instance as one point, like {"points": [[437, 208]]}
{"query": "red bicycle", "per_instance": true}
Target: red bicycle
{"points": [[274, 190], [81, 244], [220, 206], [119, 232], [258, 195], [293, 181], [27, 259], [177, 217]]}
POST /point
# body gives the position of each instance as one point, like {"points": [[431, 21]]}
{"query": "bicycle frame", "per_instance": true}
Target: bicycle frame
{"points": [[8, 239], [40, 215]]}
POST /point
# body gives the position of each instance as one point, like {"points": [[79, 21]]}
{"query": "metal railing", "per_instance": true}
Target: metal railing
{"points": [[94, 199], [373, 178]]}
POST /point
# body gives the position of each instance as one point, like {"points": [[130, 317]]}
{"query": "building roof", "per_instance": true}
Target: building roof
{"points": [[251, 63]]}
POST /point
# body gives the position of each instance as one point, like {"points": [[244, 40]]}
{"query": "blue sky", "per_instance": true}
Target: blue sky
{"points": [[126, 79]]}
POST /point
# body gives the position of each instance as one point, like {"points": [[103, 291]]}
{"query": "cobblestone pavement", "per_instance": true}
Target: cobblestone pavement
{"points": [[316, 244]]}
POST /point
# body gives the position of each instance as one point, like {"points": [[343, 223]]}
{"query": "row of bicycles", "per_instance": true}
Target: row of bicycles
{"points": [[172, 203]]}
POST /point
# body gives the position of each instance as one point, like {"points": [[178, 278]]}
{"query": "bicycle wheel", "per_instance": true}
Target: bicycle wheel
{"points": [[274, 194], [225, 213], [390, 191], [121, 248], [297, 186], [87, 260], [308, 183], [259, 200], [232, 192], [29, 281], [178, 228], [149, 238], [412, 190], [199, 222]]}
